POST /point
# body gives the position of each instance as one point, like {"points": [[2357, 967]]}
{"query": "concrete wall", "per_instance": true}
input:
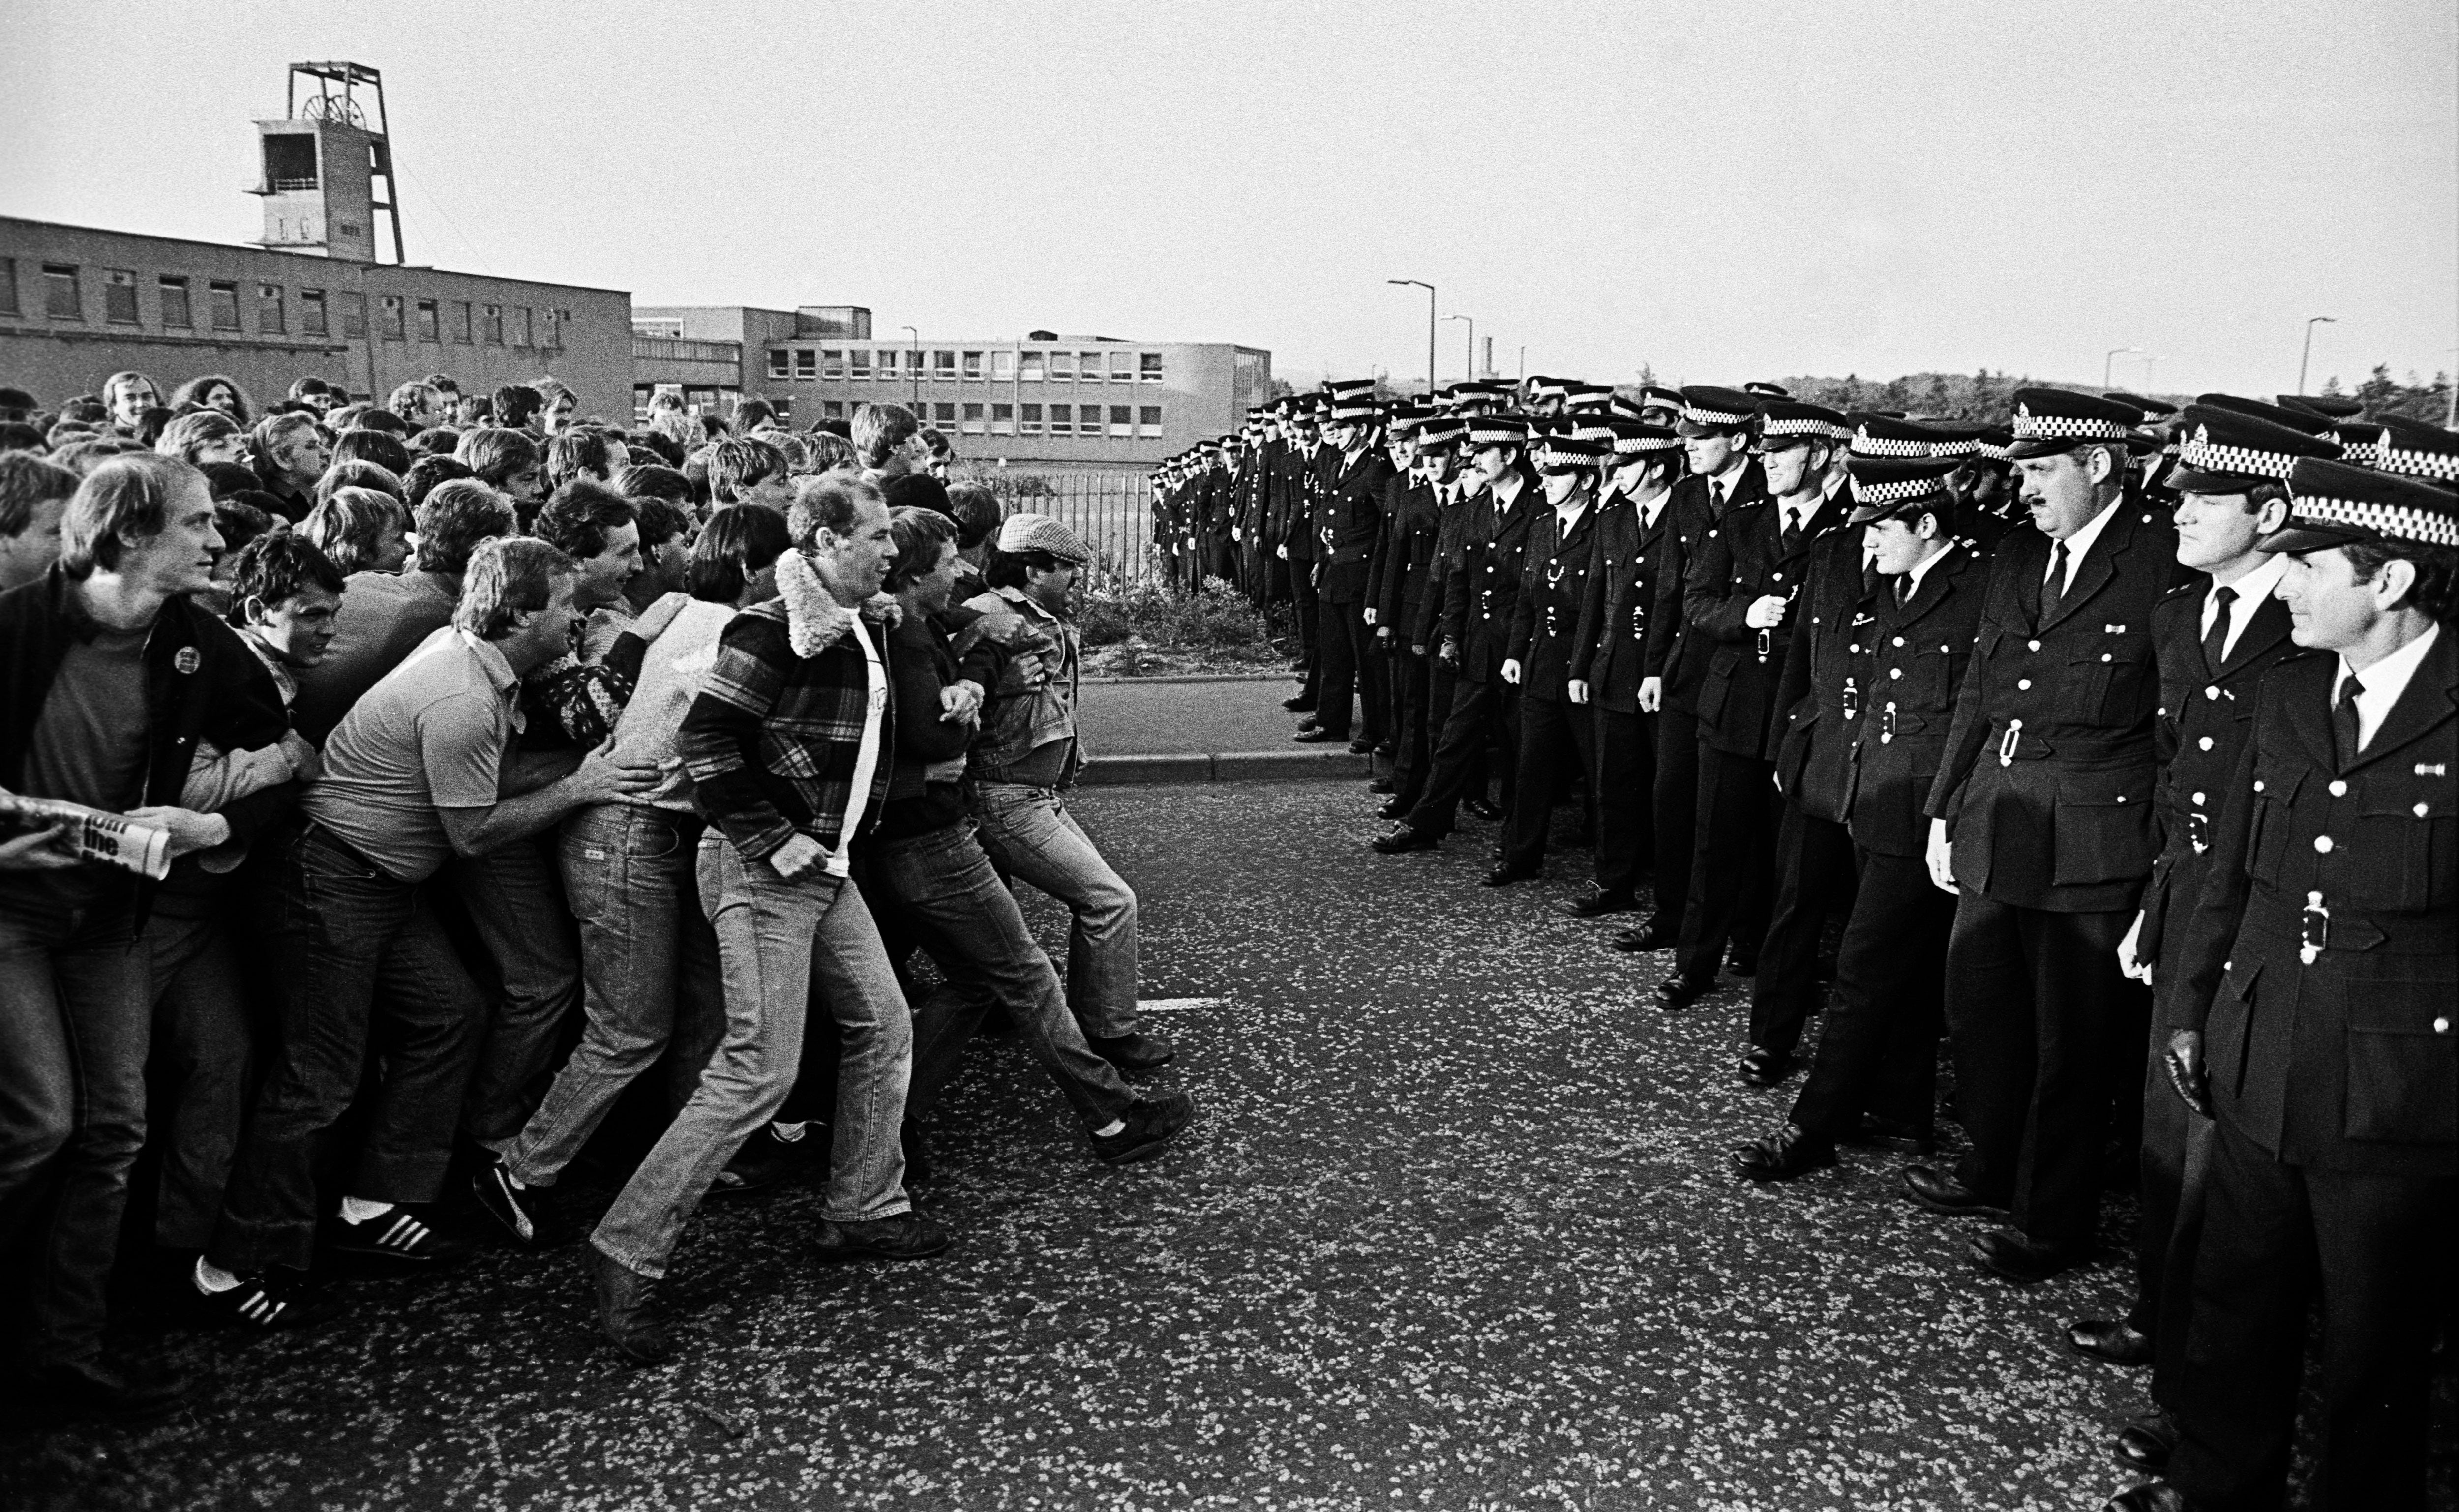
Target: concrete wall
{"points": [[55, 358]]}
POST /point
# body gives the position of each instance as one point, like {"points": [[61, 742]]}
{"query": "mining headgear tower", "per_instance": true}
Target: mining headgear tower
{"points": [[325, 164]]}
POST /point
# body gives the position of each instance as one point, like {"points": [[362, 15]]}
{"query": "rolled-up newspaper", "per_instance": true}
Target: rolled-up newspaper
{"points": [[98, 836]]}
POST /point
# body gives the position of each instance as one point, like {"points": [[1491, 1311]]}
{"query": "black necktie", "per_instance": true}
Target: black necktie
{"points": [[2215, 638], [2053, 587], [2344, 729], [1903, 589], [1792, 536]]}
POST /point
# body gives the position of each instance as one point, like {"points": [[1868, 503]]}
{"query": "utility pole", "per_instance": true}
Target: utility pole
{"points": [[2307, 355], [1430, 327], [914, 365], [1469, 356], [2111, 360]]}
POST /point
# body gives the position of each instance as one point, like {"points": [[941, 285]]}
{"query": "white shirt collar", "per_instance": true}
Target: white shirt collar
{"points": [[2251, 590], [1921, 568], [1722, 484], [2383, 683], [1504, 499], [2081, 541]]}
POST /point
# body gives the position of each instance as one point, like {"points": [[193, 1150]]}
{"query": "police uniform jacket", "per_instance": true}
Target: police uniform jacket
{"points": [[1305, 467], [2321, 962], [1348, 519], [2204, 720], [1743, 561], [1553, 585], [1403, 583], [1282, 461], [1674, 653], [2046, 785], [1492, 556], [1917, 654], [1446, 581], [1826, 678], [1610, 647], [1252, 484]]}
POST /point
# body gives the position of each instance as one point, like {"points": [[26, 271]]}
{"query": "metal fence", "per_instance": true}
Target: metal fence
{"points": [[1112, 511]]}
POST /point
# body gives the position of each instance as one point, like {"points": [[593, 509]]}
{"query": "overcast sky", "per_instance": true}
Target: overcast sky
{"points": [[1724, 192]]}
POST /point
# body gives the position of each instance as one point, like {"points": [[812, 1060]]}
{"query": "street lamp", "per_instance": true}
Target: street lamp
{"points": [[1430, 326], [1469, 367], [2111, 360], [2307, 354], [914, 365]]}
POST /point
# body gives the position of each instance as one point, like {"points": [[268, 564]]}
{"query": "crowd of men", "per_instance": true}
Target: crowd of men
{"points": [[522, 775], [2116, 747]]}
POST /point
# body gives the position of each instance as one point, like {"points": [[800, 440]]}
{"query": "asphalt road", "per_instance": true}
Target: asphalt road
{"points": [[1144, 718], [1453, 1232]]}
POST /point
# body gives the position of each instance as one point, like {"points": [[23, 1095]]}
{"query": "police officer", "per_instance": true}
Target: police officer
{"points": [[1554, 732], [2316, 992], [1349, 515], [2042, 821], [1297, 544], [1740, 599], [1873, 1078], [1609, 650], [1414, 526]]}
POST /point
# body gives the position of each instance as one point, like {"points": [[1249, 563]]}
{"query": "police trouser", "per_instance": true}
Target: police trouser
{"points": [[1413, 677], [1374, 681], [2033, 998], [1221, 556], [1302, 599], [1878, 1046], [1624, 770], [1340, 640], [1554, 734], [2378, 1250], [1815, 878], [1674, 808], [1732, 860], [2173, 1168], [1458, 768]]}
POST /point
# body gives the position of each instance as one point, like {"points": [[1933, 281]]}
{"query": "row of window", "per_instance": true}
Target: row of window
{"points": [[278, 312], [971, 419], [895, 365]]}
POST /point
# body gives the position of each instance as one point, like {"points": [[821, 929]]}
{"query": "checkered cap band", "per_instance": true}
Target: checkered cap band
{"points": [[1900, 492], [1441, 432], [1643, 445], [1993, 451], [2392, 457], [1598, 429], [1490, 434], [1561, 452], [1867, 445], [2201, 453], [2029, 427], [1954, 448], [1701, 415], [1806, 425], [2397, 521], [1355, 411]]}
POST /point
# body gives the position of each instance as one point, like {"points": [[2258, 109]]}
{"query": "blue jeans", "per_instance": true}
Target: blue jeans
{"points": [[205, 1049], [778, 940], [516, 903], [357, 955], [75, 1004], [1031, 836], [945, 893], [648, 969]]}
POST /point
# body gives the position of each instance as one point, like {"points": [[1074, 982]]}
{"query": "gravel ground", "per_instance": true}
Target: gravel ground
{"points": [[1453, 1232]]}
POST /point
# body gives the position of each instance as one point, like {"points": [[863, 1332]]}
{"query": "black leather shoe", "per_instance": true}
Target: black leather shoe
{"points": [[2009, 1253], [1763, 1067], [1887, 1134], [2112, 1340], [1386, 750], [1503, 875], [1361, 746], [1402, 838], [2146, 1444], [1382, 785], [1655, 934], [1678, 992], [1479, 808], [1299, 705], [622, 1297], [1742, 962], [1133, 1051], [1940, 1191], [1599, 903], [1790, 1151], [1392, 808], [2150, 1497], [1318, 736]]}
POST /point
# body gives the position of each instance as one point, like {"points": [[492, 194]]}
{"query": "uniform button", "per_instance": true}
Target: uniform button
{"points": [[2441, 1027], [2322, 844], [2209, 692], [2198, 800], [2205, 744], [2022, 683], [2339, 789], [2421, 810], [2104, 656], [1855, 650], [2031, 645], [1900, 640], [2257, 785], [1895, 672]]}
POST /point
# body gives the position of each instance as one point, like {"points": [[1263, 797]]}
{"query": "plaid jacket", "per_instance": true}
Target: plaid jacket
{"points": [[771, 739]]}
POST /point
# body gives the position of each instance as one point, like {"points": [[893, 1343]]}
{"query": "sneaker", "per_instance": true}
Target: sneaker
{"points": [[397, 1236], [900, 1236], [1151, 1124], [267, 1301], [764, 1159], [1134, 1051], [512, 1206]]}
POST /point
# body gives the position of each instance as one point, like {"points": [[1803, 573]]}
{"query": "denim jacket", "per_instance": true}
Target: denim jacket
{"points": [[1034, 702]]}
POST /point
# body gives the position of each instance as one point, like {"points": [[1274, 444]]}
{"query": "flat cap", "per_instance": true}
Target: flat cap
{"points": [[1019, 533]]}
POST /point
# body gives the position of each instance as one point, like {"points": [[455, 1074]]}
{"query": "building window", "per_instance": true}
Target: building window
{"points": [[388, 312], [1120, 416], [783, 405], [222, 309], [1003, 419], [1063, 367], [1029, 423], [1003, 366], [973, 364], [1029, 367], [806, 362], [430, 327], [9, 287], [554, 329], [860, 364], [1088, 367], [462, 324], [1149, 369], [354, 314], [944, 416], [832, 409], [173, 292], [1148, 420], [973, 422], [119, 296], [943, 364], [491, 324], [60, 299], [780, 366], [1059, 424], [831, 363], [1123, 366], [269, 320], [524, 333], [311, 315], [887, 364]]}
